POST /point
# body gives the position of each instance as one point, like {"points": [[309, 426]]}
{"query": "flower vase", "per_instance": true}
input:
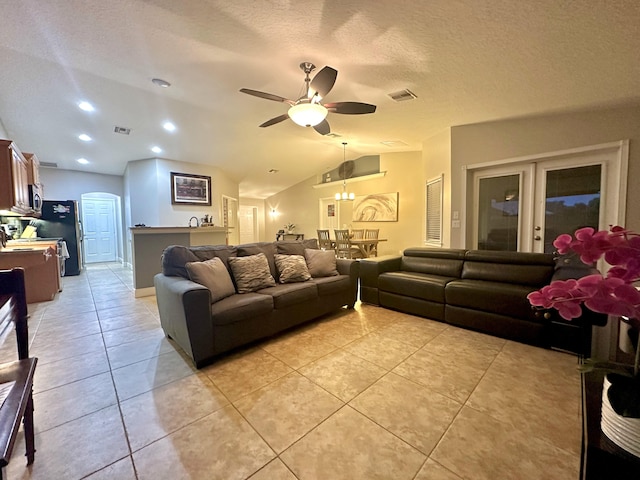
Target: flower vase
{"points": [[620, 392]]}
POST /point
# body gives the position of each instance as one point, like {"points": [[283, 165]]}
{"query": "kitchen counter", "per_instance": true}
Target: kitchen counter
{"points": [[148, 243], [41, 269]]}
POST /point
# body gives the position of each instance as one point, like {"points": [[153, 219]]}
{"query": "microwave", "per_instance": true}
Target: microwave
{"points": [[35, 198]]}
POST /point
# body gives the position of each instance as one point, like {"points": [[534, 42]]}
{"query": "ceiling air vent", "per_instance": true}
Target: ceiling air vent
{"points": [[49, 164], [122, 130], [403, 95]]}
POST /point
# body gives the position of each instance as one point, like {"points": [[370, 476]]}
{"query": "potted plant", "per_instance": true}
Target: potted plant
{"points": [[613, 294], [289, 227]]}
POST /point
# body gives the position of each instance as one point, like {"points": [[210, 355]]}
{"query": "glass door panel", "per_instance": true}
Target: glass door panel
{"points": [[571, 201], [498, 212]]}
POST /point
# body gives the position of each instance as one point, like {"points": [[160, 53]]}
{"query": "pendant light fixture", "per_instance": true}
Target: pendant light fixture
{"points": [[344, 196]]}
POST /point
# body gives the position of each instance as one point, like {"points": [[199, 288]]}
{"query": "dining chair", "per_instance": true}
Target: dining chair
{"points": [[357, 234], [344, 249], [372, 233], [324, 240]]}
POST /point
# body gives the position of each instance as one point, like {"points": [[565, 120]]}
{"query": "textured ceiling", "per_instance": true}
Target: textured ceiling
{"points": [[467, 60]]}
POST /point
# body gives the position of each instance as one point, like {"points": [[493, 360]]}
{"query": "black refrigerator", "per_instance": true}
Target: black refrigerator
{"points": [[59, 219]]}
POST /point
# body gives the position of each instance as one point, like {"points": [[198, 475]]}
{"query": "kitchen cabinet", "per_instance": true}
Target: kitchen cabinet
{"points": [[14, 179], [33, 171]]}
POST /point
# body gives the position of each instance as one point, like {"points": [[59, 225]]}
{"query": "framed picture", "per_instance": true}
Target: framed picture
{"points": [[377, 207], [189, 189]]}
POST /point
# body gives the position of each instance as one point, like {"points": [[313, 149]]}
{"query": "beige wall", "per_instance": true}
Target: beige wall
{"points": [[436, 158], [404, 173], [486, 142]]}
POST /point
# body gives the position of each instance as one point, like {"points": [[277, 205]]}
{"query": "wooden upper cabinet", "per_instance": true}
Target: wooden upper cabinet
{"points": [[14, 179], [33, 173]]}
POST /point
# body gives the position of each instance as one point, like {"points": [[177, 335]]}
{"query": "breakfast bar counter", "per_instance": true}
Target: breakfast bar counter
{"points": [[148, 243]]}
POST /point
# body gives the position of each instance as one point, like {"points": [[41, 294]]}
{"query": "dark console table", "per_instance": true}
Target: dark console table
{"points": [[289, 236], [600, 457]]}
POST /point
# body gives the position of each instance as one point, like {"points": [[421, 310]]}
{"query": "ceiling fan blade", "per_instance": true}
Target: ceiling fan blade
{"points": [[323, 128], [267, 96], [273, 121], [323, 82], [350, 108]]}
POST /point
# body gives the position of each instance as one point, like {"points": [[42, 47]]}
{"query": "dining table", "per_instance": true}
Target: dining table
{"points": [[367, 245]]}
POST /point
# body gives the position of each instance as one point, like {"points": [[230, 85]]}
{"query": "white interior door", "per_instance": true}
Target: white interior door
{"points": [[524, 206], [98, 221], [248, 223]]}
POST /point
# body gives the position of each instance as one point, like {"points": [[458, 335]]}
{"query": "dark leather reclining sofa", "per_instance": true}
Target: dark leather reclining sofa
{"points": [[206, 329], [481, 290]]}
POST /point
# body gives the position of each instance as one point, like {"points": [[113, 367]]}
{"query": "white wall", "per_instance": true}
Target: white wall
{"points": [[485, 142], [61, 184]]}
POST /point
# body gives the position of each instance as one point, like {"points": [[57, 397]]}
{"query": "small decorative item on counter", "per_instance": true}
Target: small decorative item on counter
{"points": [[289, 227]]}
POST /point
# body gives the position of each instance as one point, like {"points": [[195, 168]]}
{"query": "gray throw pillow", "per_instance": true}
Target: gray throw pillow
{"points": [[213, 275], [321, 263], [251, 273], [292, 268]]}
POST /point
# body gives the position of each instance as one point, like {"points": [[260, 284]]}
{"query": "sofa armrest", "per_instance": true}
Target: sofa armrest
{"points": [[185, 314], [352, 268], [370, 269]]}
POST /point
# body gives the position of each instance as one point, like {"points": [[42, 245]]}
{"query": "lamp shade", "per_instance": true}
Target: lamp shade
{"points": [[307, 114]]}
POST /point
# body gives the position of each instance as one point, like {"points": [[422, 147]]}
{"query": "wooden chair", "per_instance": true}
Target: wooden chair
{"points": [[357, 234], [324, 240], [18, 404], [372, 233], [344, 249]]}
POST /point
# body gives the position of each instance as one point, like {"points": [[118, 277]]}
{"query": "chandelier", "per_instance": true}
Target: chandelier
{"points": [[344, 196]]}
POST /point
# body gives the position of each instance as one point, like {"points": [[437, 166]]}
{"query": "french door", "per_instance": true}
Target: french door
{"points": [[525, 205]]}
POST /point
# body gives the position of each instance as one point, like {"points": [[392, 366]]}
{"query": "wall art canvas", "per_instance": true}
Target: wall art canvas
{"points": [[376, 207], [187, 189]]}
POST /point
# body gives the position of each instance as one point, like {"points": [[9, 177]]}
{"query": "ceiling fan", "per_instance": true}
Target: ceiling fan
{"points": [[307, 111]]}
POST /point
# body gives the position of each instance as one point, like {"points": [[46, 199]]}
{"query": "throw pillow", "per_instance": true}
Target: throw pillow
{"points": [[251, 273], [269, 250], [292, 268], [213, 275], [321, 263]]}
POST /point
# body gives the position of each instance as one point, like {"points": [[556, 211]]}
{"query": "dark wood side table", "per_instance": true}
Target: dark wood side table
{"points": [[601, 458]]}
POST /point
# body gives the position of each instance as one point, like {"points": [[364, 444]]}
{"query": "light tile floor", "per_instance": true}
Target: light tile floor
{"points": [[362, 394]]}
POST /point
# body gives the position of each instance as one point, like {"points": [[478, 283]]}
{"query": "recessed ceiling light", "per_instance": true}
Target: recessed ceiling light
{"points": [[84, 137], [86, 106], [168, 126], [160, 82], [82, 161], [156, 149]]}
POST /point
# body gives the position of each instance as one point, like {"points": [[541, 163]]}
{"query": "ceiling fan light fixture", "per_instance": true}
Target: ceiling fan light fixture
{"points": [[307, 114]]}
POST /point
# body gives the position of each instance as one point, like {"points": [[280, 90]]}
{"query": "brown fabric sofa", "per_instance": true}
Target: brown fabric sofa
{"points": [[205, 329], [478, 289]]}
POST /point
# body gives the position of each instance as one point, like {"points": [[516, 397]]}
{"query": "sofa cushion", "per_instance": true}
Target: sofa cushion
{"points": [[223, 252], [291, 294], [494, 297], [414, 284], [239, 308], [213, 275], [174, 259], [295, 247], [533, 269], [433, 261], [292, 268], [267, 248], [332, 285], [251, 272], [321, 263]]}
